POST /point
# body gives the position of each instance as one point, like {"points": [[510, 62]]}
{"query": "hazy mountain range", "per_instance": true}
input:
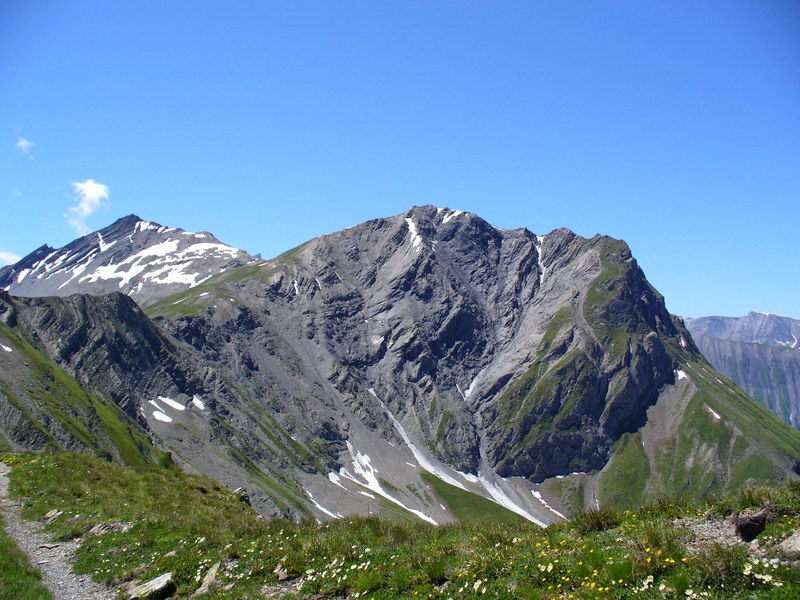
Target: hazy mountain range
{"points": [[760, 352]]}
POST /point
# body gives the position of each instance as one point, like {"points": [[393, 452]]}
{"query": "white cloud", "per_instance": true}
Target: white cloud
{"points": [[8, 258], [25, 147], [90, 196]]}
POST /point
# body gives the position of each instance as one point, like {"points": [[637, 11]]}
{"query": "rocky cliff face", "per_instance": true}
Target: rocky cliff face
{"points": [[760, 352], [329, 380], [141, 259]]}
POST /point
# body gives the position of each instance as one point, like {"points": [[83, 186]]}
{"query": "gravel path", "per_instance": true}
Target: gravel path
{"points": [[51, 558]]}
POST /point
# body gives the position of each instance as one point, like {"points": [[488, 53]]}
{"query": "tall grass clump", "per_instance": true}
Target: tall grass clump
{"points": [[596, 519]]}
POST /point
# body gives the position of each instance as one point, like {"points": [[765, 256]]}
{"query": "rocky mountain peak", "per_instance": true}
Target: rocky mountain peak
{"points": [[145, 260]]}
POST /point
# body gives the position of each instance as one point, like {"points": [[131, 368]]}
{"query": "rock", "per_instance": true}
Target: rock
{"points": [[790, 547], [103, 528], [242, 494], [281, 572], [160, 587], [51, 516], [749, 524], [208, 580]]}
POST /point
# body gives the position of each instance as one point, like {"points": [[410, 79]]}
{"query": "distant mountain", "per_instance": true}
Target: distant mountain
{"points": [[542, 372], [760, 352], [141, 259]]}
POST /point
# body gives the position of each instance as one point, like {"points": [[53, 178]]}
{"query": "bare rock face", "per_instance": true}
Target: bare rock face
{"points": [[328, 380]]}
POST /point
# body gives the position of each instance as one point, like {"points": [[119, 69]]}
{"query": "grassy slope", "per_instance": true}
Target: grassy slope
{"points": [[469, 507], [707, 455], [185, 524], [98, 423]]}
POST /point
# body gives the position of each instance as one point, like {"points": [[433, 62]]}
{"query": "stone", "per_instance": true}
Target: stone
{"points": [[208, 580], [242, 494], [160, 587], [103, 528], [51, 516], [749, 524], [790, 547]]}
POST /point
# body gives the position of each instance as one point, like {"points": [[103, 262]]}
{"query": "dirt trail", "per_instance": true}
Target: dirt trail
{"points": [[53, 559]]}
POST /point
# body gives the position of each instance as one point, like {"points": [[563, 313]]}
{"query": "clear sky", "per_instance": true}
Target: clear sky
{"points": [[672, 125]]}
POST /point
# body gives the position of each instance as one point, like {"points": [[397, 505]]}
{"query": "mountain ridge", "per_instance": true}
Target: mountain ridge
{"points": [[524, 368], [145, 260]]}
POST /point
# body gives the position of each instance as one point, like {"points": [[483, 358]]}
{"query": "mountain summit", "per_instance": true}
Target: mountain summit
{"points": [[144, 260], [403, 362]]}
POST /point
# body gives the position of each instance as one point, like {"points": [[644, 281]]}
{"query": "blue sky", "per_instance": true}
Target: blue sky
{"points": [[673, 125]]}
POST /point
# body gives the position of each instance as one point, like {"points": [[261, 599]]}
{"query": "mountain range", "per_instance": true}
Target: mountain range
{"points": [[541, 371], [760, 352]]}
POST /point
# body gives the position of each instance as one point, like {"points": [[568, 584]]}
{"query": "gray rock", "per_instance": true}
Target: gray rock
{"points": [[749, 524], [155, 589], [209, 580], [790, 547]]}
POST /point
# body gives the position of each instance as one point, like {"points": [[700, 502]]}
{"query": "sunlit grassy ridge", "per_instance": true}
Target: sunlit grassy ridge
{"points": [[185, 524]]}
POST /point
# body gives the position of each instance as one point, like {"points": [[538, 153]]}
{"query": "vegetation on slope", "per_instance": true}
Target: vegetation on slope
{"points": [[97, 423], [185, 524], [723, 440]]}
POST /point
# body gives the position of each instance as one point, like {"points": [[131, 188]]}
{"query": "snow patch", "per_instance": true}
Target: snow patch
{"points": [[681, 374], [367, 494], [22, 274], [468, 392], [6, 348], [714, 413], [336, 480], [503, 499], [160, 416], [322, 508], [362, 465], [198, 402], [421, 458], [469, 477], [452, 215], [540, 262], [296, 288], [102, 245], [416, 238], [170, 402], [538, 496]]}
